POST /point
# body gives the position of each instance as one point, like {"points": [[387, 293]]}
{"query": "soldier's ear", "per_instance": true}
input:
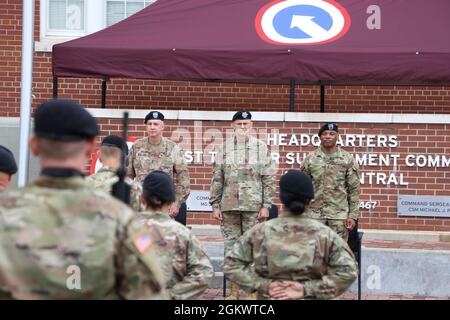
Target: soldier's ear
{"points": [[142, 200], [90, 146], [34, 146]]}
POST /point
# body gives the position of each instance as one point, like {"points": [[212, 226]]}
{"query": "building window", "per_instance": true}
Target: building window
{"points": [[66, 17], [117, 10], [63, 20]]}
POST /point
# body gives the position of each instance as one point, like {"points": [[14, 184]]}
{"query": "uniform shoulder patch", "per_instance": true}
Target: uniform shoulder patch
{"points": [[143, 241]]}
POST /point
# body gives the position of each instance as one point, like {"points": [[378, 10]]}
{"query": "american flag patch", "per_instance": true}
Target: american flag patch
{"points": [[142, 242]]}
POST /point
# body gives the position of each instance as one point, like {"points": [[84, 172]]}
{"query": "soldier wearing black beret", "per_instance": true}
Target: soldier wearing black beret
{"points": [[78, 226], [8, 167], [115, 141], [261, 260], [242, 115], [112, 150], [328, 127], [155, 152], [160, 185], [336, 203], [64, 120], [187, 268], [154, 115], [240, 195]]}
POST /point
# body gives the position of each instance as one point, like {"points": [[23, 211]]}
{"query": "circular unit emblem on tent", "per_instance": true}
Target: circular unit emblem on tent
{"points": [[302, 22]]}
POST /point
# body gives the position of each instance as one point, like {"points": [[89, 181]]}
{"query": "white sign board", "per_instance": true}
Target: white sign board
{"points": [[198, 201], [423, 206]]}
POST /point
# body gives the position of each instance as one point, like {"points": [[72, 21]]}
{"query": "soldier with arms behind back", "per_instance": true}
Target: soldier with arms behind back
{"points": [[292, 257]]}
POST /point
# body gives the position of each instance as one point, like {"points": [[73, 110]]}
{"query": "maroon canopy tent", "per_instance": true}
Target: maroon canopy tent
{"points": [[264, 40], [313, 41]]}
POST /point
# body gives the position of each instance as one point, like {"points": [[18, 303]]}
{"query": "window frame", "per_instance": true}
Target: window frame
{"points": [[95, 18], [62, 32]]}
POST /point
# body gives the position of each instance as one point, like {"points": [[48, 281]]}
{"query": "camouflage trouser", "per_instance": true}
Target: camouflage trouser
{"points": [[338, 226], [234, 224]]}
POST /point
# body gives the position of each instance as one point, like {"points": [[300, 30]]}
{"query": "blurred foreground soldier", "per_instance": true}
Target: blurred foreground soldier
{"points": [[155, 152], [294, 257], [335, 175], [186, 266], [242, 186], [112, 150], [59, 238], [8, 167]]}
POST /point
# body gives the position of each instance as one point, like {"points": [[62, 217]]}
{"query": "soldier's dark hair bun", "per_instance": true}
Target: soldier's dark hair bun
{"points": [[293, 202], [296, 207]]}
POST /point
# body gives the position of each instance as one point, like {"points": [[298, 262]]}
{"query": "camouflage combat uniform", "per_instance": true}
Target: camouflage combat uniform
{"points": [[243, 182], [336, 186], [104, 179], [185, 264], [292, 248], [56, 226], [166, 156]]}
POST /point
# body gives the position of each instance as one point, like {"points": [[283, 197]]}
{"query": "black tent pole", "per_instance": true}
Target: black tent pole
{"points": [[55, 87], [292, 95], [322, 97], [104, 93]]}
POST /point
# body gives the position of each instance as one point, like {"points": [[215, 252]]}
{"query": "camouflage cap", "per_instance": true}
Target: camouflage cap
{"points": [[64, 120], [7, 161]]}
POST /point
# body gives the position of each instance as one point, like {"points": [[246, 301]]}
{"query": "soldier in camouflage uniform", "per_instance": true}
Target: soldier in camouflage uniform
{"points": [[155, 152], [294, 257], [186, 266], [242, 186], [335, 175], [8, 167], [112, 150], [60, 238]]}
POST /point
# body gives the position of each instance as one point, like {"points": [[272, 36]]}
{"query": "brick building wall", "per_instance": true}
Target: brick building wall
{"points": [[414, 140], [219, 96]]}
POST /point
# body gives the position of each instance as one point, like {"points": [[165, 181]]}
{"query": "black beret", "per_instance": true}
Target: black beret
{"points": [[154, 115], [115, 141], [328, 127], [160, 184], [7, 162], [64, 120], [297, 183], [242, 115]]}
